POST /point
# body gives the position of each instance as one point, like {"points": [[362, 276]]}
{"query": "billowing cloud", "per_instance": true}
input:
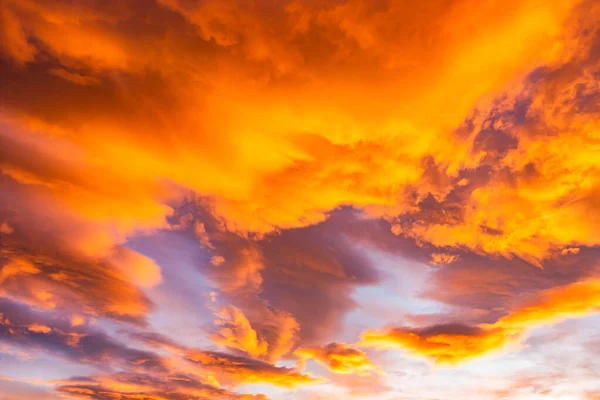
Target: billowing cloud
{"points": [[236, 332], [262, 181], [316, 147], [537, 142]]}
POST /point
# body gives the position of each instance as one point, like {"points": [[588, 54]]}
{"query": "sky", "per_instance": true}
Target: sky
{"points": [[299, 199]]}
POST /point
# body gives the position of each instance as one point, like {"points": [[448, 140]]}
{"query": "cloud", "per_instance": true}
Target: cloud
{"points": [[71, 287], [292, 146], [237, 333], [339, 358], [443, 347], [536, 140], [137, 268], [146, 368], [73, 264], [332, 153], [20, 326], [455, 343], [74, 77], [6, 229], [439, 259], [233, 369], [246, 370], [569, 250], [129, 386], [281, 284], [14, 39]]}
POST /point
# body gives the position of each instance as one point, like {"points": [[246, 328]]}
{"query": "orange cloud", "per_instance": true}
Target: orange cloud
{"points": [[443, 348], [127, 386], [247, 371], [315, 155], [569, 250], [17, 267], [14, 40], [58, 285], [137, 268], [452, 344], [237, 333], [35, 327], [262, 132], [148, 374], [541, 190], [339, 358], [231, 369], [244, 272], [5, 228]]}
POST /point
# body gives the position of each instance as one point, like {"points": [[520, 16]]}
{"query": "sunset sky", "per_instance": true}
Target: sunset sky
{"points": [[300, 199]]}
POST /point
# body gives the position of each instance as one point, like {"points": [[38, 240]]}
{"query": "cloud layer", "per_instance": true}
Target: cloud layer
{"points": [[254, 199]]}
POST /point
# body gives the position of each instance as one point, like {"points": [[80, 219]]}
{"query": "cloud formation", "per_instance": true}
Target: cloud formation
{"points": [[231, 368], [208, 199], [455, 343], [339, 358], [139, 386]]}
